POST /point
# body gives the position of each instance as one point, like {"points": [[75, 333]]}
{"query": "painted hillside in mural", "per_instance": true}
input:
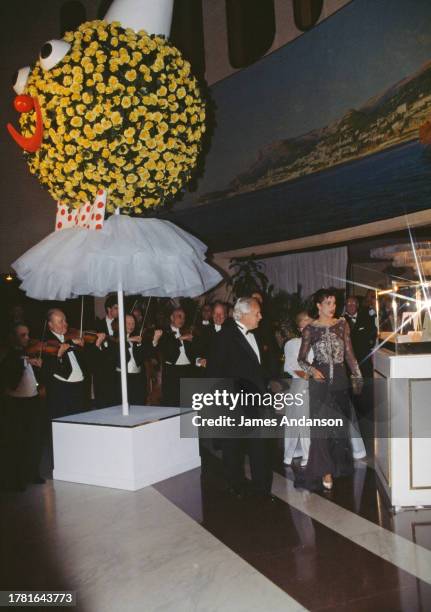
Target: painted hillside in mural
{"points": [[388, 120], [323, 100]]}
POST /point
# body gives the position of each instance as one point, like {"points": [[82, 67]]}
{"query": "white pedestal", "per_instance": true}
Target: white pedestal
{"points": [[101, 447], [402, 404]]}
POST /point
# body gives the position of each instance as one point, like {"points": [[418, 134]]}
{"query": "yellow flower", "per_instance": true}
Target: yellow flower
{"points": [[90, 115], [131, 75], [87, 98], [116, 118], [126, 102], [76, 121], [130, 132]]}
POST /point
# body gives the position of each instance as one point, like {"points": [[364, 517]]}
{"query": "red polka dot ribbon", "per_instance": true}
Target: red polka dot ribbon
{"points": [[86, 216]]}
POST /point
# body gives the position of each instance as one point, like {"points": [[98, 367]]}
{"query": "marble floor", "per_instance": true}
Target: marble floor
{"points": [[185, 544]]}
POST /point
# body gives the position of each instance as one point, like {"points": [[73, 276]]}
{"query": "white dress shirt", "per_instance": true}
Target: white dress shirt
{"points": [[217, 327], [109, 323], [291, 351], [132, 366], [250, 337], [182, 359], [27, 385], [76, 375]]}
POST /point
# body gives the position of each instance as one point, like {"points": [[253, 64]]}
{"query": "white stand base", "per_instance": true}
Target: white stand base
{"points": [[101, 447], [402, 443]]}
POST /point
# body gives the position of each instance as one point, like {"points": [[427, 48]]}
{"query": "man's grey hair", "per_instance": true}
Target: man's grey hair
{"points": [[243, 306], [51, 312]]}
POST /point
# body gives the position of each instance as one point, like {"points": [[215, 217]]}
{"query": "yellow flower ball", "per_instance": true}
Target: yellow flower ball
{"points": [[116, 116]]}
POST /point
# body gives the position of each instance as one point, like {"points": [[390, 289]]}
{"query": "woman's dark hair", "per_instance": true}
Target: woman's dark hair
{"points": [[320, 296]]}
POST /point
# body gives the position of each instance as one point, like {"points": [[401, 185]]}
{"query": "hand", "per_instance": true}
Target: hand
{"points": [[158, 333], [35, 361], [201, 363], [63, 349], [275, 386], [357, 385], [187, 337], [317, 374], [100, 340], [78, 341], [137, 339]]}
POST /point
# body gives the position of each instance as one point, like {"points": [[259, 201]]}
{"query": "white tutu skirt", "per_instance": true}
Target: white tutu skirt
{"points": [[151, 257]]}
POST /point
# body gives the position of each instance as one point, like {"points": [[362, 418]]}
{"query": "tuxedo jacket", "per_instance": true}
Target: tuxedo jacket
{"points": [[51, 364], [232, 357], [169, 347], [141, 352], [203, 339], [12, 369], [363, 334], [271, 353], [101, 326]]}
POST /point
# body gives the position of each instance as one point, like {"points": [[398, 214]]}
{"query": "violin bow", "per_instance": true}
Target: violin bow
{"points": [[43, 338], [82, 315], [133, 307], [145, 316]]}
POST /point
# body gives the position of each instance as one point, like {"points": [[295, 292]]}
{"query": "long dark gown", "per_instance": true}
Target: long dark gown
{"points": [[330, 448]]}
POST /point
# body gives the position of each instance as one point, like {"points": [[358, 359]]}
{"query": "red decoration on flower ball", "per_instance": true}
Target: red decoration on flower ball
{"points": [[23, 104]]}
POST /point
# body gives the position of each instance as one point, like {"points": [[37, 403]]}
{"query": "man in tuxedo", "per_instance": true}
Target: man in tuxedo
{"points": [[64, 371], [106, 324], [103, 369], [271, 352], [23, 421], [203, 341], [363, 333], [175, 345], [236, 357]]}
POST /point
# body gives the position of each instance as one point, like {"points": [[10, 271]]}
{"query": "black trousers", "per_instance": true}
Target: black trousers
{"points": [[136, 388], [171, 382], [259, 455], [22, 430], [65, 398], [105, 388]]}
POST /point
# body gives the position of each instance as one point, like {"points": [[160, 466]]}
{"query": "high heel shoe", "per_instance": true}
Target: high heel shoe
{"points": [[327, 484]]}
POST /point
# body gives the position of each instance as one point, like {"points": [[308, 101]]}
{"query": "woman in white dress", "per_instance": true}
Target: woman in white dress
{"points": [[297, 439]]}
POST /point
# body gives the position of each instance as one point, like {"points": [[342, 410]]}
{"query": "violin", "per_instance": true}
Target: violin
{"points": [[51, 346]]}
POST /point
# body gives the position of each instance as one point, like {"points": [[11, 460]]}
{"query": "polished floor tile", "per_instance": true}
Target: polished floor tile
{"points": [[128, 551], [290, 543]]}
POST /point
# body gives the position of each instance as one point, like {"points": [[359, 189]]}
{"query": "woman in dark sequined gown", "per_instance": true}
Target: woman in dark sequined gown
{"points": [[330, 450]]}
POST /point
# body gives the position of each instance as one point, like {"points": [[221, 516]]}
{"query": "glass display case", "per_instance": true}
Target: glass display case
{"points": [[403, 315]]}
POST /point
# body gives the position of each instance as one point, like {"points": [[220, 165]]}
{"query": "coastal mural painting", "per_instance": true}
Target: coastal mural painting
{"points": [[357, 85]]}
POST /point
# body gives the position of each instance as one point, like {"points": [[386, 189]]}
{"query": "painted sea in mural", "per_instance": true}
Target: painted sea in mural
{"points": [[330, 115]]}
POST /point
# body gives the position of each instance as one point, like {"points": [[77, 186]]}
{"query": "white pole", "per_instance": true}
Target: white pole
{"points": [[123, 364], [122, 333]]}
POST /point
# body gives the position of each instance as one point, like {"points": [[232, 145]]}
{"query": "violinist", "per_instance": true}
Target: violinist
{"points": [[175, 344], [22, 418], [138, 350], [104, 384], [105, 325], [65, 371]]}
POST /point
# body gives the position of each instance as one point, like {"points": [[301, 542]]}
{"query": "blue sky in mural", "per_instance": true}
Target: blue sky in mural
{"points": [[365, 48]]}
